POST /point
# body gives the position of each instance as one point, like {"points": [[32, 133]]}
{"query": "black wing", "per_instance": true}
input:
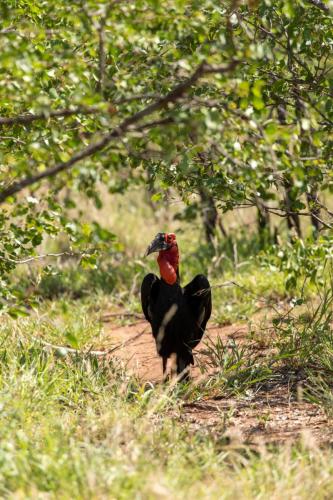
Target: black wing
{"points": [[199, 299], [149, 291]]}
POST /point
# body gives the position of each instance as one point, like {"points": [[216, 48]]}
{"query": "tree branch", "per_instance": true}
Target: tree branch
{"points": [[321, 5], [176, 93], [43, 256], [25, 118], [281, 212], [45, 115], [10, 29]]}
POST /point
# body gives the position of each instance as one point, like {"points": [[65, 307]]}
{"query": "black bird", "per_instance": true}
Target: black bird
{"points": [[178, 316]]}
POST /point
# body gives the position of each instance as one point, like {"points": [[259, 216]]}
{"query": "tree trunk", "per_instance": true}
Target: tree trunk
{"points": [[314, 209], [263, 224], [209, 214], [293, 219]]}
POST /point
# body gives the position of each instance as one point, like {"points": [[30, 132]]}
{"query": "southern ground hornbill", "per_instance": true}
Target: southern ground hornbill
{"points": [[178, 316]]}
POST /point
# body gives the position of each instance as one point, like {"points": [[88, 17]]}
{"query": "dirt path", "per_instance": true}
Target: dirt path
{"points": [[274, 416], [135, 347], [271, 415]]}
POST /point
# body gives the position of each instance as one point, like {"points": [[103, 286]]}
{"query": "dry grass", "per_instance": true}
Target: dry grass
{"points": [[73, 427]]}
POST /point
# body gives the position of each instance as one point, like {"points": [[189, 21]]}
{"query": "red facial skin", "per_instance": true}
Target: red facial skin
{"points": [[168, 260]]}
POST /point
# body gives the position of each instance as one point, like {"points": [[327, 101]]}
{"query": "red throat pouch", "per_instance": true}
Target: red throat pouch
{"points": [[168, 261]]}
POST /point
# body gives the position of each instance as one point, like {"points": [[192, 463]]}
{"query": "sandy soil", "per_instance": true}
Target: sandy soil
{"points": [[273, 413]]}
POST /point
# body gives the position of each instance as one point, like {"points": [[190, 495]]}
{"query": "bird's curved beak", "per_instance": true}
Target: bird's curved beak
{"points": [[156, 245]]}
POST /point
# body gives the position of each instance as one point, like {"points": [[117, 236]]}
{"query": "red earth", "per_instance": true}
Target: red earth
{"points": [[273, 413]]}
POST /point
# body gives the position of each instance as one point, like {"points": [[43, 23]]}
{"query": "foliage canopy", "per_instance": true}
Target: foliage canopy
{"points": [[232, 97]]}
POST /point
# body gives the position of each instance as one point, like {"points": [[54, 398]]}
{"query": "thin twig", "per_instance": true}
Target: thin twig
{"points": [[281, 212], [128, 341], [11, 138], [71, 349], [10, 29], [108, 316], [48, 345], [43, 256], [25, 118]]}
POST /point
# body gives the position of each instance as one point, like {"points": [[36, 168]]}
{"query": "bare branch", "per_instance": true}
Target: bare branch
{"points": [[108, 316], [43, 256], [321, 5], [10, 29], [11, 138], [66, 350], [25, 118], [45, 115], [176, 93], [281, 212]]}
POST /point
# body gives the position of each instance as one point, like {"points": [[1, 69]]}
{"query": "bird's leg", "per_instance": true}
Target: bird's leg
{"points": [[183, 369], [173, 366], [164, 366], [185, 376]]}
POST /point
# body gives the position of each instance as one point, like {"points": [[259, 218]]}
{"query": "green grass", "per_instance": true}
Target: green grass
{"points": [[75, 427]]}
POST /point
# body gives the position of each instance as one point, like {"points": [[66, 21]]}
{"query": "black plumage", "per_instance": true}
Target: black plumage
{"points": [[178, 316]]}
